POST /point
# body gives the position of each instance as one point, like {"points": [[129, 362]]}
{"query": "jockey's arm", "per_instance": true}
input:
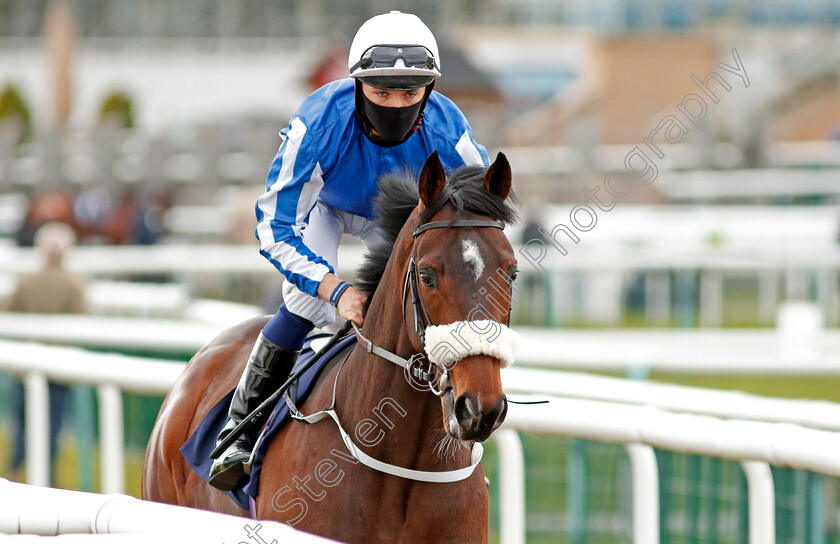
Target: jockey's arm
{"points": [[350, 303]]}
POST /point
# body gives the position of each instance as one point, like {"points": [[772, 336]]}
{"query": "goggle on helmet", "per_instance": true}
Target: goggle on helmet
{"points": [[394, 51]]}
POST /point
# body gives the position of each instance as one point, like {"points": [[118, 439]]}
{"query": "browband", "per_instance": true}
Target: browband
{"points": [[458, 223]]}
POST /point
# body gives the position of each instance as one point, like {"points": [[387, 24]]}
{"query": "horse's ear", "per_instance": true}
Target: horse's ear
{"points": [[497, 180], [432, 179]]}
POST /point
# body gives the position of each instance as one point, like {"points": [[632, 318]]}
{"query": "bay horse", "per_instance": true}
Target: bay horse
{"points": [[440, 249]]}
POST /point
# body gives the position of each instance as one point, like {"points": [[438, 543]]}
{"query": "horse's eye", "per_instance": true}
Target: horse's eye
{"points": [[428, 278], [513, 273]]}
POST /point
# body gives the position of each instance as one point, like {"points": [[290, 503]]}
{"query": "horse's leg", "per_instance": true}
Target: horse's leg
{"points": [[210, 374], [298, 462], [310, 481]]}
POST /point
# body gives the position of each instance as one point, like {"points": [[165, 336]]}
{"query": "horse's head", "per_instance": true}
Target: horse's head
{"points": [[458, 290]]}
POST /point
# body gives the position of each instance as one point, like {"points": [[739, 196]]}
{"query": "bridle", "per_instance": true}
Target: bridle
{"points": [[417, 365], [421, 316]]}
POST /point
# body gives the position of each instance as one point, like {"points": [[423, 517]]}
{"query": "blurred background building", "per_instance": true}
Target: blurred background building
{"points": [[208, 83], [156, 121], [142, 122]]}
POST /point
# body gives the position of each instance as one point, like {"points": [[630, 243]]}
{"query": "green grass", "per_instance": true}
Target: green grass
{"points": [[547, 460], [546, 463], [67, 466], [782, 386]]}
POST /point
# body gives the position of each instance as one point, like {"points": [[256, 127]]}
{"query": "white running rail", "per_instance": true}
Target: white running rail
{"points": [[110, 374], [32, 510], [720, 351], [640, 416]]}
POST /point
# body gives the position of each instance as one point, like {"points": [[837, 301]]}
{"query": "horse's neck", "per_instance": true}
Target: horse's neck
{"points": [[384, 322], [382, 378], [381, 384]]}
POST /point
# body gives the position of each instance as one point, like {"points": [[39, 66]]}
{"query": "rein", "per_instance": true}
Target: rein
{"points": [[438, 477], [414, 365], [421, 316]]}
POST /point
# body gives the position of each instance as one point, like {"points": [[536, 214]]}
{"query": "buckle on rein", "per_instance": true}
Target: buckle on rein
{"points": [[425, 374]]}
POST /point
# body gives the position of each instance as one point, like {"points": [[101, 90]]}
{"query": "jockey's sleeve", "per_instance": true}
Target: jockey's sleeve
{"points": [[471, 152], [292, 187]]}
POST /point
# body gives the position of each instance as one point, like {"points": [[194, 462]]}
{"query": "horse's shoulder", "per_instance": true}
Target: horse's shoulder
{"points": [[215, 367]]}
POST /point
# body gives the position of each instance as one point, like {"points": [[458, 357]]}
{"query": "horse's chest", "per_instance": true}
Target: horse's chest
{"points": [[335, 496], [368, 520]]}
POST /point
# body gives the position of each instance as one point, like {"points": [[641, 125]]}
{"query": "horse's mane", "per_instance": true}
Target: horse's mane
{"points": [[397, 198]]}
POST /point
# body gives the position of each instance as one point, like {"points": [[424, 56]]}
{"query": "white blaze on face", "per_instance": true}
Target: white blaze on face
{"points": [[473, 259]]}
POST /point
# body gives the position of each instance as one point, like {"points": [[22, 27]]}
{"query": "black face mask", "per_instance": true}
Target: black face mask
{"points": [[393, 125]]}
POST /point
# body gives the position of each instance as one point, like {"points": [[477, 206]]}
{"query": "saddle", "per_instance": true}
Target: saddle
{"points": [[196, 450]]}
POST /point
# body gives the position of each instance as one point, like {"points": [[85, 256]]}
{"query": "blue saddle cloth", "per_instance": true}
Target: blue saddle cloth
{"points": [[196, 450]]}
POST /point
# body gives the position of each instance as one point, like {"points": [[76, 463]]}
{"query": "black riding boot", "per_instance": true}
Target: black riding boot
{"points": [[268, 368]]}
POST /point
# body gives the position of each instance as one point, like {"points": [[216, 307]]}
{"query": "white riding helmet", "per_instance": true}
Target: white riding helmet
{"points": [[395, 50]]}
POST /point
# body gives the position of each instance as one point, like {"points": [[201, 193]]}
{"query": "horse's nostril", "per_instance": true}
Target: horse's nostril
{"points": [[467, 412], [498, 414]]}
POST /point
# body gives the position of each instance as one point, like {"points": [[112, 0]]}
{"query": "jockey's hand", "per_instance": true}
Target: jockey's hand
{"points": [[350, 305]]}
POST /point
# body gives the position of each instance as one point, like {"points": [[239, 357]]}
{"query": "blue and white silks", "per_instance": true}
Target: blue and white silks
{"points": [[325, 159]]}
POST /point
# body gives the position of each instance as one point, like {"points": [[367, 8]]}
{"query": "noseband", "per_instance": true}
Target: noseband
{"points": [[413, 366], [417, 366]]}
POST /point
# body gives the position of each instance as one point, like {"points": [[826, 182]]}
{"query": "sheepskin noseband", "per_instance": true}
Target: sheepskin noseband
{"points": [[448, 344]]}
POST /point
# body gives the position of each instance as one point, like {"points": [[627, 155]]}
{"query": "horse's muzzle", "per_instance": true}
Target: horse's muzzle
{"points": [[475, 424]]}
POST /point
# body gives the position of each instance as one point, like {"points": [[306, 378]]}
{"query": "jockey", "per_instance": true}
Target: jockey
{"points": [[383, 119]]}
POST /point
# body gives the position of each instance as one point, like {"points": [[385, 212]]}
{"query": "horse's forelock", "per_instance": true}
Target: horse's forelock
{"points": [[465, 190], [398, 198]]}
